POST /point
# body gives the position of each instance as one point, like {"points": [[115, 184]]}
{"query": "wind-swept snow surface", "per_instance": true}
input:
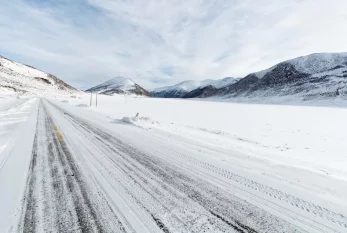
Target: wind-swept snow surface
{"points": [[17, 126], [128, 166]]}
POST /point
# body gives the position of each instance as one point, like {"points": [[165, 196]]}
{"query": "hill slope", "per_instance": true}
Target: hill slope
{"points": [[21, 78], [316, 76], [119, 85]]}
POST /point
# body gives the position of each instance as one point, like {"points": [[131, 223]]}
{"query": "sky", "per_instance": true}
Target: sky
{"points": [[163, 42]]}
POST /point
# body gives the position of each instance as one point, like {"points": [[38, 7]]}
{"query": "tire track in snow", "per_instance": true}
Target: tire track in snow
{"points": [[30, 216], [58, 199], [156, 199], [246, 217], [307, 206]]}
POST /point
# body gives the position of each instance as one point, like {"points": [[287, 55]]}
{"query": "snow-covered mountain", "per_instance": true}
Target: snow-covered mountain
{"points": [[316, 76], [224, 82], [16, 77], [119, 85], [180, 90]]}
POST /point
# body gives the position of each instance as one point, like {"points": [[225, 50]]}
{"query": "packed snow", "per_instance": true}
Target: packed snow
{"points": [[300, 149]]}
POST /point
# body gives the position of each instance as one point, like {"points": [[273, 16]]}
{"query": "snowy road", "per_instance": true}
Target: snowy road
{"points": [[86, 178]]}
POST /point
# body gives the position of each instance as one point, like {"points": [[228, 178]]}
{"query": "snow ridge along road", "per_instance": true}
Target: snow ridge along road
{"points": [[17, 129], [83, 178]]}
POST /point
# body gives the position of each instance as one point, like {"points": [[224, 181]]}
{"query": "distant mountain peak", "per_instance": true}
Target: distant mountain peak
{"points": [[120, 79], [117, 82], [181, 89], [311, 77], [119, 85]]}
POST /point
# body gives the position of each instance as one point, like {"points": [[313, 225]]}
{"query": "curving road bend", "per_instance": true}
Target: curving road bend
{"points": [[84, 178]]}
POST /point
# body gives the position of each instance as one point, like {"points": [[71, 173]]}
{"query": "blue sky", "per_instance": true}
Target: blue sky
{"points": [[163, 42]]}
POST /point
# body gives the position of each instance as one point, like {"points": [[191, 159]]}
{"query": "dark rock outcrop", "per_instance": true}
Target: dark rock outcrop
{"points": [[203, 92]]}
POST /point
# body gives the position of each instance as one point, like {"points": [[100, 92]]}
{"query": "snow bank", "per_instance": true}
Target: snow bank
{"points": [[17, 130], [143, 122], [82, 106], [7, 101]]}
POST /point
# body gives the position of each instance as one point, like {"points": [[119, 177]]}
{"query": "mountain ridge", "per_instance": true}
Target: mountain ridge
{"points": [[182, 89], [314, 76], [119, 85]]}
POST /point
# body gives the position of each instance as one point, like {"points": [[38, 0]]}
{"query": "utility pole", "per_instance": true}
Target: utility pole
{"points": [[91, 98], [96, 99]]}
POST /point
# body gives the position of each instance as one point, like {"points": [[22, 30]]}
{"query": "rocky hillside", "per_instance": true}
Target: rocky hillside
{"points": [[21, 78], [119, 85], [316, 76]]}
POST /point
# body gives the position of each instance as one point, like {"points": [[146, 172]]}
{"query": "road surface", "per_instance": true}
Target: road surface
{"points": [[84, 178]]}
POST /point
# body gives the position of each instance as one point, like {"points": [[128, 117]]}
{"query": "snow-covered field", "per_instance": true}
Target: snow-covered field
{"points": [[302, 136], [172, 165], [301, 147]]}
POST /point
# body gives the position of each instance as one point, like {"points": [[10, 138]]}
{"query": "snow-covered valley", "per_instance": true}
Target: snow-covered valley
{"points": [[136, 164], [197, 116], [114, 160], [306, 134]]}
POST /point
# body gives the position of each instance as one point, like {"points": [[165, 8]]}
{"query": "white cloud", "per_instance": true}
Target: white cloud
{"points": [[165, 42]]}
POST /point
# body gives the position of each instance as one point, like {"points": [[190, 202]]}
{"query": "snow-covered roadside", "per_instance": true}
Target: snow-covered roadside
{"points": [[17, 129], [283, 146], [8, 101], [301, 136], [298, 206]]}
